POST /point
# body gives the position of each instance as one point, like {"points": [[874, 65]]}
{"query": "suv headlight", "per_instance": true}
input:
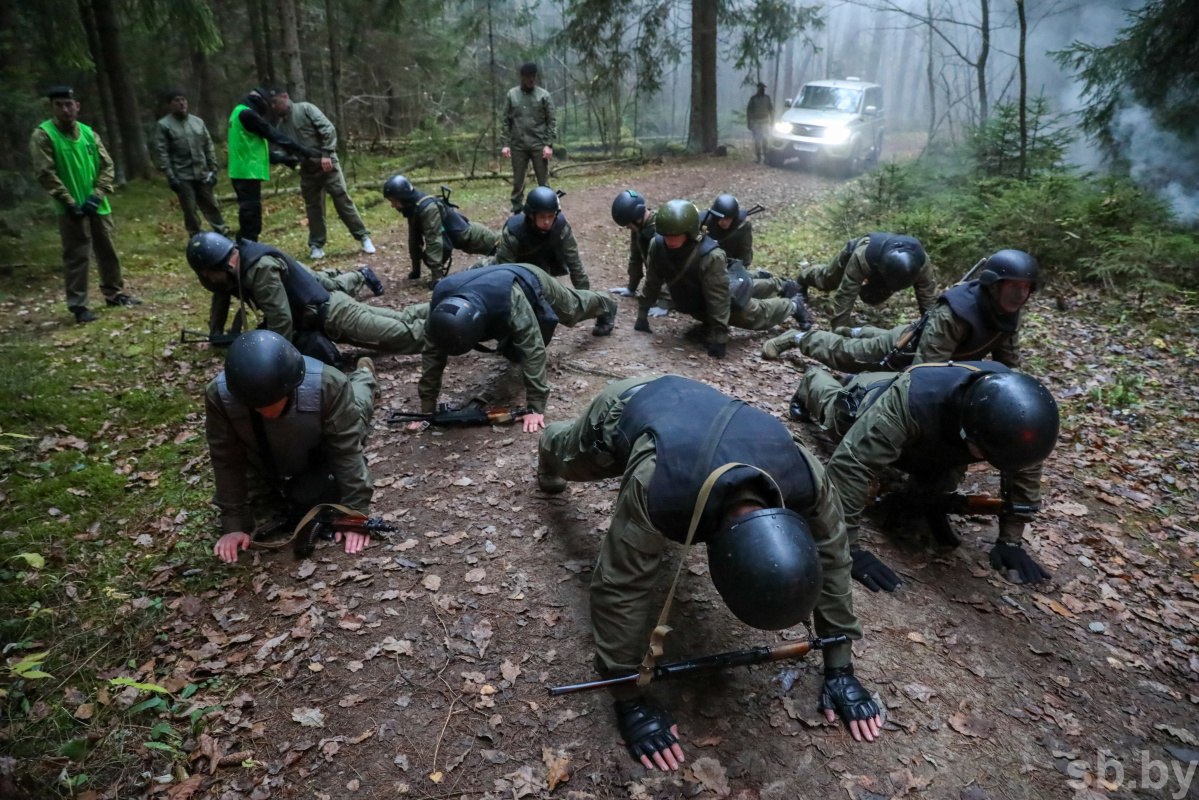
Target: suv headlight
{"points": [[782, 127], [836, 135]]}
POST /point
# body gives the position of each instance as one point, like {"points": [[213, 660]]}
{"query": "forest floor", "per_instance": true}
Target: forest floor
{"points": [[420, 668]]}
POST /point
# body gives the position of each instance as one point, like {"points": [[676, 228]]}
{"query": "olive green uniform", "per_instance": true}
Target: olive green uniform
{"points": [[187, 156], [943, 335], [736, 243], [572, 307], [845, 275], [632, 551], [529, 125], [427, 245], [307, 125], [331, 280], [639, 242], [759, 116], [346, 321], [91, 233], [876, 438], [347, 406], [511, 251], [712, 269]]}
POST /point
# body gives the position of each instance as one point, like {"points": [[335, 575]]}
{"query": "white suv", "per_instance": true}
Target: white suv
{"points": [[832, 122]]}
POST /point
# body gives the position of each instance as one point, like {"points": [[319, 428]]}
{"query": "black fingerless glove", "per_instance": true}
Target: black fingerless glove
{"points": [[872, 573], [845, 695], [642, 324], [644, 727], [92, 204], [1006, 556]]}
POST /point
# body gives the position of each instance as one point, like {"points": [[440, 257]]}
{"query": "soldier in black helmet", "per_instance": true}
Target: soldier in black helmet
{"points": [[872, 268], [932, 421], [701, 283], [435, 229], [630, 212], [729, 225], [541, 236], [518, 305], [285, 433], [968, 322], [296, 301], [772, 524]]}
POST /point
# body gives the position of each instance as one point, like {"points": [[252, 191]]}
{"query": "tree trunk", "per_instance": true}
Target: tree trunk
{"points": [[902, 68], [289, 18], [981, 64], [704, 133], [258, 39], [112, 133], [1023, 89], [128, 114], [871, 73], [206, 101], [495, 112], [932, 79], [788, 71], [335, 71]]}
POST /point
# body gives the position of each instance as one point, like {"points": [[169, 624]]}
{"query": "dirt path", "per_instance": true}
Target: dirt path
{"points": [[427, 659]]}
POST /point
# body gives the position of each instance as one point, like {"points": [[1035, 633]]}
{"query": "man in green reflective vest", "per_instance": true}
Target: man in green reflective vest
{"points": [[72, 165], [251, 156]]}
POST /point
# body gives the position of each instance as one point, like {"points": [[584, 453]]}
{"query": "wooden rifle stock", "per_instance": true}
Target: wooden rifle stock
{"points": [[712, 663]]}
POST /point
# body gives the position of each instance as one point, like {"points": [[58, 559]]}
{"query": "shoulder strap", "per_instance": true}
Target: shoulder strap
{"points": [[646, 671], [687, 265]]}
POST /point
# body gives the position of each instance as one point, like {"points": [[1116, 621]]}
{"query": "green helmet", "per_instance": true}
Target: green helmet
{"points": [[678, 217]]}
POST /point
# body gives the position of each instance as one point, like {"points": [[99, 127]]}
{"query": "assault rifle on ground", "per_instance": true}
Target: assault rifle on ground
{"points": [[896, 506], [323, 525], [713, 663], [461, 417], [910, 339], [199, 337]]}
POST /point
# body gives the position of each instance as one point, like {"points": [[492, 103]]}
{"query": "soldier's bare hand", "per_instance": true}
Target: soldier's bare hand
{"points": [[227, 546], [547, 153], [415, 426], [326, 165], [534, 422], [355, 541], [506, 152]]}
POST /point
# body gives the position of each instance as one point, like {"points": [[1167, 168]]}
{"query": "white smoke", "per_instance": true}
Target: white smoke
{"points": [[1159, 160]]}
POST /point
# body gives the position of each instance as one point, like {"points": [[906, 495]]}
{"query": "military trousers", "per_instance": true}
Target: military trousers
{"points": [[765, 288], [478, 240], [249, 208], [825, 277], [520, 166], [314, 185], [761, 315], [376, 328], [853, 355], [196, 197], [575, 305], [631, 553], [91, 234], [761, 134]]}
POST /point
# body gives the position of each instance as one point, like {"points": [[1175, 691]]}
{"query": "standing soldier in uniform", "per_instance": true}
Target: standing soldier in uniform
{"points": [[932, 421], [285, 430], [435, 229], [297, 303], [695, 270], [541, 236], [519, 306], [251, 156], [967, 323], [187, 157], [530, 129], [771, 521], [759, 116], [72, 165], [304, 123]]}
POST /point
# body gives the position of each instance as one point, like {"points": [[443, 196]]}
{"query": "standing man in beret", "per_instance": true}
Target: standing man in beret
{"points": [[530, 129], [187, 157]]}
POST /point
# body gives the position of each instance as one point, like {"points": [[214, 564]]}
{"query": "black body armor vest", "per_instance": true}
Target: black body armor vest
{"points": [[303, 290], [491, 289], [969, 304], [530, 245]]}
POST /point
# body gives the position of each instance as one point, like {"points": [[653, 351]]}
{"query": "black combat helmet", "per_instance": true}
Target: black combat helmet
{"points": [[262, 368], [209, 251], [1011, 417], [678, 217], [456, 325], [767, 568], [725, 207], [901, 258], [628, 208], [399, 188], [541, 200], [1009, 265]]}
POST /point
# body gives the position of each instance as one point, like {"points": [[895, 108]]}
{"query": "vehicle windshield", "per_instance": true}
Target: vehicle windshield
{"points": [[829, 98]]}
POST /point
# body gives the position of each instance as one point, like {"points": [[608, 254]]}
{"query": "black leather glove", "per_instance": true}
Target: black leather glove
{"points": [[642, 324], [872, 573], [718, 349], [942, 529], [1006, 557], [76, 211], [92, 204], [845, 695], [210, 178], [173, 183], [644, 727]]}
